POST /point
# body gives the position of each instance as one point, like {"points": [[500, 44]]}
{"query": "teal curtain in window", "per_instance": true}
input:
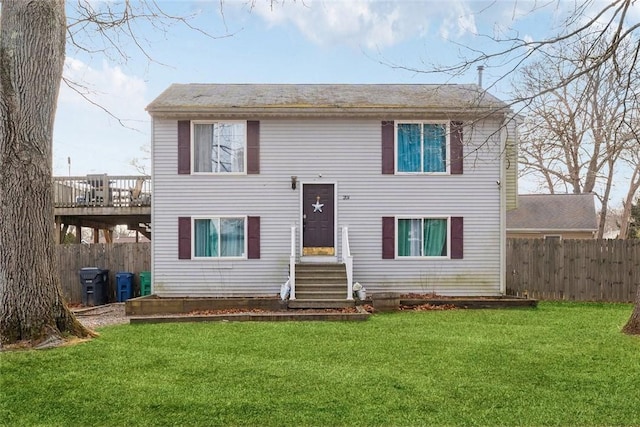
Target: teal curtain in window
{"points": [[231, 237], [435, 237], [409, 147], [409, 237], [206, 237], [435, 148]]}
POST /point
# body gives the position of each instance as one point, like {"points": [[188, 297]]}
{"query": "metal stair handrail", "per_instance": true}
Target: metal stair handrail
{"points": [[292, 265], [347, 259]]}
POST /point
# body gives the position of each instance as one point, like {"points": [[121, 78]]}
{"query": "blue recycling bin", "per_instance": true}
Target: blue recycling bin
{"points": [[94, 285], [124, 283]]}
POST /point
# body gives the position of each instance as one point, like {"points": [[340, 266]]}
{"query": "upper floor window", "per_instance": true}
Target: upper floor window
{"points": [[422, 147], [219, 147]]}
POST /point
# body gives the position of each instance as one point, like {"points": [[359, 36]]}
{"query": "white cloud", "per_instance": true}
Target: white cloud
{"points": [[94, 139], [459, 22], [371, 24], [109, 87]]}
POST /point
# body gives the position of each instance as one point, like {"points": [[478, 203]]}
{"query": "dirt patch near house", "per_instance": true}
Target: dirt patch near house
{"points": [[114, 314], [102, 315]]}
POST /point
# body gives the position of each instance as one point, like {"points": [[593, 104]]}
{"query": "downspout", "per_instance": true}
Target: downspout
{"points": [[153, 242], [504, 134]]}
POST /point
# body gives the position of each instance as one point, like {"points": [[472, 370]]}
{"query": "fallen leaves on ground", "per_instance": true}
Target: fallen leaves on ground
{"points": [[427, 307]]}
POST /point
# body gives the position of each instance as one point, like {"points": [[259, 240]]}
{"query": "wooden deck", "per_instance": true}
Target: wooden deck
{"points": [[101, 202]]}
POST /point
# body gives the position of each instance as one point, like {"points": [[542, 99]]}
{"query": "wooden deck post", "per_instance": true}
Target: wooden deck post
{"points": [[57, 230]]}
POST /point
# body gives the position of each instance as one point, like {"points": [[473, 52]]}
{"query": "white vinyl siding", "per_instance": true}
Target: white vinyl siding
{"points": [[348, 154]]}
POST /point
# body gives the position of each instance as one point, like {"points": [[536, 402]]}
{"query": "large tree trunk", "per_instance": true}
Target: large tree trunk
{"points": [[633, 325], [32, 47]]}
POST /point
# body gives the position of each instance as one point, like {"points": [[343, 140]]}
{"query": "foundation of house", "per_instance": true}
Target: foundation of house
{"points": [[152, 309]]}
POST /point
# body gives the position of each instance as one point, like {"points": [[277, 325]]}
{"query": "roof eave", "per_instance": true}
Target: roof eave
{"points": [[185, 112]]}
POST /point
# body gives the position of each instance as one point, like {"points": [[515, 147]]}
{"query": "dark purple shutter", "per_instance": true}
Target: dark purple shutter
{"points": [[253, 230], [388, 136], [253, 147], [457, 150], [457, 232], [388, 237], [184, 237], [184, 147]]}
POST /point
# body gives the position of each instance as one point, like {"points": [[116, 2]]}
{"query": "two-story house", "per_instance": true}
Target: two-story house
{"points": [[405, 187]]}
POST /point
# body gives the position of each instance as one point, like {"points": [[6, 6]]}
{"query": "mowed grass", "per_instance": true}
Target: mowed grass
{"points": [[558, 364]]}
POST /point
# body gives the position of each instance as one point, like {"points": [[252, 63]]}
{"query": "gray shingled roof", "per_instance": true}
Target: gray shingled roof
{"points": [[360, 99], [553, 212]]}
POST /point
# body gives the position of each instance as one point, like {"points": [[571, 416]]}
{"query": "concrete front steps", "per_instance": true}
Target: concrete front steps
{"points": [[321, 285]]}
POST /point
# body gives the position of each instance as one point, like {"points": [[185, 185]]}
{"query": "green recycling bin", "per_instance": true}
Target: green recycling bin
{"points": [[145, 283]]}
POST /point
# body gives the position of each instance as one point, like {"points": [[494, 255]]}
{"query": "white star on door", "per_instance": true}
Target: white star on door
{"points": [[317, 206]]}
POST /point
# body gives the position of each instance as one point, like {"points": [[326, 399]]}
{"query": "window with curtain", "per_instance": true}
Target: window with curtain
{"points": [[219, 147], [219, 237], [421, 147], [422, 237]]}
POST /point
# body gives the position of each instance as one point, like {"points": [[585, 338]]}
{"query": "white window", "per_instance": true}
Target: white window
{"points": [[219, 237], [219, 147], [553, 236], [422, 147], [423, 237]]}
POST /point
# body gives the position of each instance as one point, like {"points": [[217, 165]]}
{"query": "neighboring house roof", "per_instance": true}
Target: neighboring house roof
{"points": [[553, 212], [403, 100]]}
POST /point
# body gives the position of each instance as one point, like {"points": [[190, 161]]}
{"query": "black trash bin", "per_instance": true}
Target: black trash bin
{"points": [[94, 285]]}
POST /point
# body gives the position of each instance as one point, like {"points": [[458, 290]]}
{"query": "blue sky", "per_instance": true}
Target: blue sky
{"points": [[310, 41]]}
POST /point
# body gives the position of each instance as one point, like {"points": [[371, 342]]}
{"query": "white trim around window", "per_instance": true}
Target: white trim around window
{"points": [[413, 227], [219, 237], [398, 159], [214, 160]]}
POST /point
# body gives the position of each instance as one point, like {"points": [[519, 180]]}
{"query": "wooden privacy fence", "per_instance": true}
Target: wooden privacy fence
{"points": [[116, 257], [577, 270]]}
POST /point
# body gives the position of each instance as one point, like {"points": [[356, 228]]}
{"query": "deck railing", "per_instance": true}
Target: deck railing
{"points": [[102, 190]]}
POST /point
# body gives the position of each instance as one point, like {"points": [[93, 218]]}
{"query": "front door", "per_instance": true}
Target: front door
{"points": [[318, 219]]}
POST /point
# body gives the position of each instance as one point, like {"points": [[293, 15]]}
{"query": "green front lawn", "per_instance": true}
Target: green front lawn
{"points": [[559, 364]]}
